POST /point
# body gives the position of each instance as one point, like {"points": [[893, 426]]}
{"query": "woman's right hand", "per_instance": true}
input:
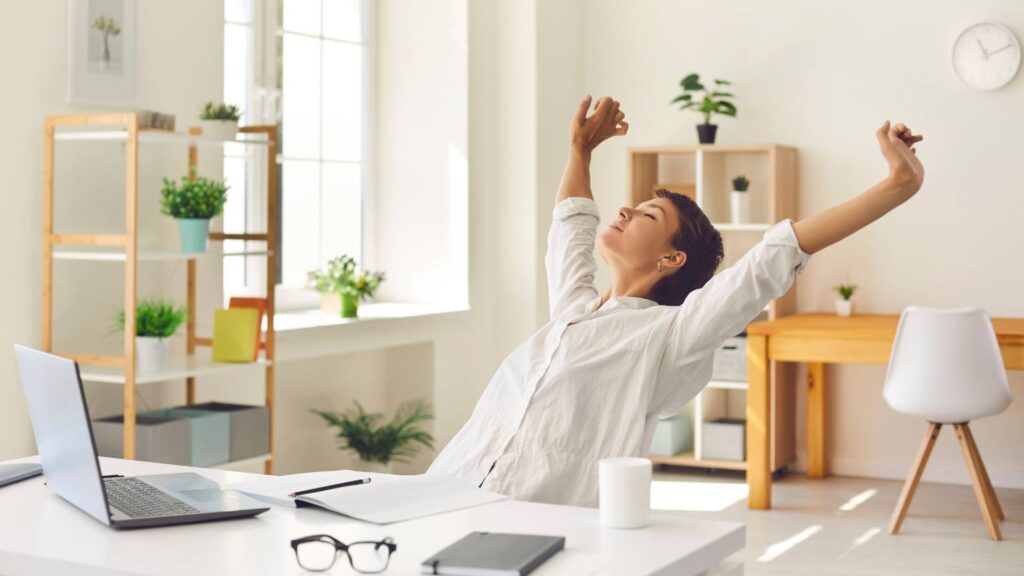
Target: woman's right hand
{"points": [[607, 120]]}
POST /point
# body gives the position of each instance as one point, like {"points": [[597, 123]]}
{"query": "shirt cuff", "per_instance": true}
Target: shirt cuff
{"points": [[782, 234], [575, 205]]}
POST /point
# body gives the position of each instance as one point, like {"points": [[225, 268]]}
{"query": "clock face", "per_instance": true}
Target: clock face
{"points": [[986, 55]]}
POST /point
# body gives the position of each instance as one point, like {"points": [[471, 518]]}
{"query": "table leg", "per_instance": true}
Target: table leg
{"points": [[759, 476], [816, 391]]}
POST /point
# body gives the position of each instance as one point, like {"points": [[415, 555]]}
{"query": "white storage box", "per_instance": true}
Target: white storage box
{"points": [[724, 439], [672, 436], [731, 360]]}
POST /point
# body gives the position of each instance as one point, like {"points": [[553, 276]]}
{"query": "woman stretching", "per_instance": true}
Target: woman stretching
{"points": [[593, 381]]}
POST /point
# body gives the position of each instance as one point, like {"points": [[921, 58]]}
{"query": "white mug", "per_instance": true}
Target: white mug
{"points": [[624, 492]]}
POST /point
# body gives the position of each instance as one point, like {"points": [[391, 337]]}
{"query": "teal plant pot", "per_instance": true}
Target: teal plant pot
{"points": [[349, 305], [194, 232]]}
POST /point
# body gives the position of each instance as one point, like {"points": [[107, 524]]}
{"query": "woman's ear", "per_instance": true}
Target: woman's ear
{"points": [[674, 260]]}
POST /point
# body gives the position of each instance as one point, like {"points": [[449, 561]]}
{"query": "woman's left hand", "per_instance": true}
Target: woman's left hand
{"points": [[905, 170], [586, 132]]}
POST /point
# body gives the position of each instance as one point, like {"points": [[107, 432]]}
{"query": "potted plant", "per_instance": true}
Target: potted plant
{"points": [[740, 203], [156, 320], [343, 281], [844, 306], [220, 120], [378, 443], [705, 102], [193, 203]]}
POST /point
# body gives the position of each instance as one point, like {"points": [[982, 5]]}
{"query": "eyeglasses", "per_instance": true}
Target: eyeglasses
{"points": [[318, 552]]}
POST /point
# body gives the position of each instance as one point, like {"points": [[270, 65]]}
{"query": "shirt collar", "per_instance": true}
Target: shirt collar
{"points": [[629, 302]]}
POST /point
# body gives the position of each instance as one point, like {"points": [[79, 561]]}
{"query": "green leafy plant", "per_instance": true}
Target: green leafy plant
{"points": [[155, 318], [846, 291], [196, 197], [377, 441], [740, 184], [704, 101], [220, 111], [341, 276]]}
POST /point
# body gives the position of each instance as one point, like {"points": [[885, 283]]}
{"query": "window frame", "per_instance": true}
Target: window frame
{"points": [[266, 100]]}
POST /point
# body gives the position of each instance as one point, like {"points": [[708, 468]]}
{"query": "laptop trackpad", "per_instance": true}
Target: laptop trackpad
{"points": [[203, 495]]}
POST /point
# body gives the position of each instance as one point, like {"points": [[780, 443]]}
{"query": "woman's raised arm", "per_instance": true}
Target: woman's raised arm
{"points": [[905, 177]]}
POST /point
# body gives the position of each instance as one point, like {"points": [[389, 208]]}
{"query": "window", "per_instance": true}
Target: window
{"points": [[303, 65]]}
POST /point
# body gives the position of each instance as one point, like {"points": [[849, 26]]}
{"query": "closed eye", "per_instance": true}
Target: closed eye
{"points": [[650, 216]]}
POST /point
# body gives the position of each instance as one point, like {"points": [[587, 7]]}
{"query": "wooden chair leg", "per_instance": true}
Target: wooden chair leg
{"points": [[979, 489], [986, 481], [910, 486]]}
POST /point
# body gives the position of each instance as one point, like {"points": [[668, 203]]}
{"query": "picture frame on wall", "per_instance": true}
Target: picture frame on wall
{"points": [[101, 52]]}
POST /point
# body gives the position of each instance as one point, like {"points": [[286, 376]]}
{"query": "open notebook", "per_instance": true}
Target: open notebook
{"points": [[385, 499]]}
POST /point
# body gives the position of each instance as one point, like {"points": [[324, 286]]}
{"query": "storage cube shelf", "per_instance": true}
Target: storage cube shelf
{"points": [[705, 173], [258, 142]]}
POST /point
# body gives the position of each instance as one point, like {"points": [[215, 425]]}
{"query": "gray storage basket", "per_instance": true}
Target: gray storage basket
{"points": [[157, 439], [249, 434]]}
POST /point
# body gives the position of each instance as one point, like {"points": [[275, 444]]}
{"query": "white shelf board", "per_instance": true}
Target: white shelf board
{"points": [[177, 369], [244, 464], [727, 385], [154, 256], [730, 227], [159, 136]]}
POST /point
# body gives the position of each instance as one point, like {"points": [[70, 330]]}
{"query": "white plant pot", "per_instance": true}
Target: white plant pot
{"points": [[844, 307], [151, 354], [740, 207], [219, 129], [375, 467]]}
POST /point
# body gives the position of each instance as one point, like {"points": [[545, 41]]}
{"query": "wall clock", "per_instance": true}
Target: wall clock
{"points": [[986, 55]]}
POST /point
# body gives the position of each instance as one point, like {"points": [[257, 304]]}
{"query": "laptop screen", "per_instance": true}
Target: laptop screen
{"points": [[60, 420]]}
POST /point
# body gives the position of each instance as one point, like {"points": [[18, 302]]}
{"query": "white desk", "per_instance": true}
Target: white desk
{"points": [[40, 533]]}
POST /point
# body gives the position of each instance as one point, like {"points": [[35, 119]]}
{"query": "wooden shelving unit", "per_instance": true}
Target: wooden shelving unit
{"points": [[705, 174], [124, 127]]}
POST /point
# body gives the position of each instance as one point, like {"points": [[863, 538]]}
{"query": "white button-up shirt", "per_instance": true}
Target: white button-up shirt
{"points": [[592, 382]]}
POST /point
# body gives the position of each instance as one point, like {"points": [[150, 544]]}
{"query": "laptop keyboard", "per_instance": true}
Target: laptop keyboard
{"points": [[140, 500]]}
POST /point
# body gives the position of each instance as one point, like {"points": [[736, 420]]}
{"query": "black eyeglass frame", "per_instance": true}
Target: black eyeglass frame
{"points": [[340, 546]]}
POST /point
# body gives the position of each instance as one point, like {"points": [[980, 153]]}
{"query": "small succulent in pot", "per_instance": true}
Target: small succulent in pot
{"points": [[343, 278], [156, 320], [739, 203], [844, 306], [220, 120], [193, 203], [740, 184]]}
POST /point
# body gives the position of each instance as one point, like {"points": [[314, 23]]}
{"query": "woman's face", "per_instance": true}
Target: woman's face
{"points": [[639, 237]]}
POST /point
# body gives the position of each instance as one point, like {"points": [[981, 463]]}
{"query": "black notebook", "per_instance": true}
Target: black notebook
{"points": [[494, 554]]}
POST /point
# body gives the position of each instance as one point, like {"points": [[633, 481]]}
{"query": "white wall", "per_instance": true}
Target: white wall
{"points": [[821, 76]]}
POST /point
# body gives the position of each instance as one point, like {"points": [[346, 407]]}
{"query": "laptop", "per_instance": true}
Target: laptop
{"points": [[67, 451]]}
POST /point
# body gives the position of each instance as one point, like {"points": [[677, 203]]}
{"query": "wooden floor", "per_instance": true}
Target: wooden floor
{"points": [[839, 526]]}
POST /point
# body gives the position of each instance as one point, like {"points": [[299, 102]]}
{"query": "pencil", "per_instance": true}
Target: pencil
{"points": [[331, 487]]}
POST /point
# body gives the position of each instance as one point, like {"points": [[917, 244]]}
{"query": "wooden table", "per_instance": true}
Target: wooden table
{"points": [[816, 340]]}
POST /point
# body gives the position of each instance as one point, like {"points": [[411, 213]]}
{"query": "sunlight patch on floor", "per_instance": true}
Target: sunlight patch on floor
{"points": [[695, 496], [871, 533], [779, 548], [858, 500]]}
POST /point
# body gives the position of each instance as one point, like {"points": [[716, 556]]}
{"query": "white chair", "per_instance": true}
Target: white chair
{"points": [[946, 368]]}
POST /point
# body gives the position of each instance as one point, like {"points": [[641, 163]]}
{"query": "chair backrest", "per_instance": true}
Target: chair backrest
{"points": [[946, 366]]}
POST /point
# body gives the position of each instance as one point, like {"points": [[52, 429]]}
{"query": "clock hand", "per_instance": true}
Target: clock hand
{"points": [[1001, 49], [982, 46]]}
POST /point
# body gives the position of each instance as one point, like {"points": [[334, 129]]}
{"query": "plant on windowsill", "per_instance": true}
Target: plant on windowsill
{"points": [[220, 120], [706, 102], [343, 281], [156, 320], [740, 205], [193, 204], [378, 443], [844, 306]]}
